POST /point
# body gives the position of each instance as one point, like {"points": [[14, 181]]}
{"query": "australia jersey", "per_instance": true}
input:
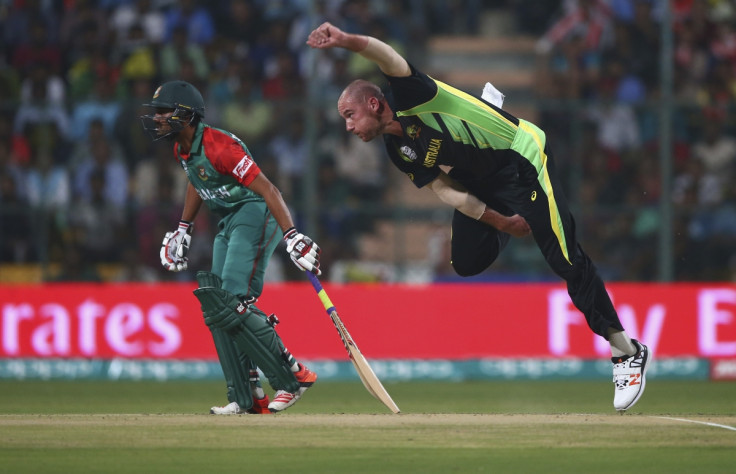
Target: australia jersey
{"points": [[219, 166], [443, 125]]}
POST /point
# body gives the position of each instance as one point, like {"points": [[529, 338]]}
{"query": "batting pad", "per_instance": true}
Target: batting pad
{"points": [[252, 335], [236, 373]]}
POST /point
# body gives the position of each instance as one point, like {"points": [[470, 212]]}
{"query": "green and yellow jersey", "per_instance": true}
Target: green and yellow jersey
{"points": [[445, 126]]}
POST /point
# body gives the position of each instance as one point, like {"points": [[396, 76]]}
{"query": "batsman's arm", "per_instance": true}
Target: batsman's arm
{"points": [[387, 58], [274, 200], [192, 203]]}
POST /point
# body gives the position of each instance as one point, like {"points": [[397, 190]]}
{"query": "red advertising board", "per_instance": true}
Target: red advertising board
{"points": [[449, 321]]}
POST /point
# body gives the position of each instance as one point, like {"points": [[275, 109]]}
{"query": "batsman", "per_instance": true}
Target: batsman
{"points": [[253, 220]]}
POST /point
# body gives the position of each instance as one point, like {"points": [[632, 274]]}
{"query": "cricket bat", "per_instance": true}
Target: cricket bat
{"points": [[365, 372]]}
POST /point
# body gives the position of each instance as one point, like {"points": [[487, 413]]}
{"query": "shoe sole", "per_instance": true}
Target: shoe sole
{"points": [[643, 381], [273, 410]]}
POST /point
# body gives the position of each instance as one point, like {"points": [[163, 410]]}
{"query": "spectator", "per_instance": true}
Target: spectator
{"points": [[38, 111], [153, 216], [195, 18], [39, 49], [135, 144], [180, 50], [716, 149], [138, 12], [361, 165], [98, 224], [111, 167], [15, 222], [136, 56], [159, 168], [82, 24], [40, 76], [589, 18], [240, 23], [284, 81], [289, 150], [617, 125], [102, 106], [48, 185], [248, 115], [17, 27]]}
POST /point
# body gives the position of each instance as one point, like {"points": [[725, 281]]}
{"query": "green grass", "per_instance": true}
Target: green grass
{"points": [[520, 426]]}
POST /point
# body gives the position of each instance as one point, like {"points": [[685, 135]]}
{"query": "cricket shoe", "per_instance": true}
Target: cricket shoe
{"points": [[629, 377], [283, 399], [231, 408], [260, 406]]}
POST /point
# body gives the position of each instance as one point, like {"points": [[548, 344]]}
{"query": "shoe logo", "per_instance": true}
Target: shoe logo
{"points": [[634, 379], [534, 196]]}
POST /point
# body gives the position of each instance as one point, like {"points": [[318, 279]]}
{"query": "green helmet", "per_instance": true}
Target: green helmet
{"points": [[181, 97], [178, 95]]}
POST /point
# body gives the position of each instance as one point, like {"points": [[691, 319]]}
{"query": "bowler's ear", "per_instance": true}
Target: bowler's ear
{"points": [[374, 104]]}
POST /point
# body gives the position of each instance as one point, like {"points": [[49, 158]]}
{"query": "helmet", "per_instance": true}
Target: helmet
{"points": [[181, 97]]}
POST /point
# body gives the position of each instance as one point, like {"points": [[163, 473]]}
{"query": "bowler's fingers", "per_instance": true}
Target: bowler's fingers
{"points": [[320, 37]]}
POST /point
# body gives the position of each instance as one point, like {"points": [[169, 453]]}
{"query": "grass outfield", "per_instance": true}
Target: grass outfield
{"points": [[519, 426]]}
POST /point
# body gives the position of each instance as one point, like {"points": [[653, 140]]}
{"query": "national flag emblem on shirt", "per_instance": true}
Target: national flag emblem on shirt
{"points": [[412, 131], [241, 169]]}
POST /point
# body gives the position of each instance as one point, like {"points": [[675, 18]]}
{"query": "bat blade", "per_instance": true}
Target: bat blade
{"points": [[365, 372], [369, 378]]}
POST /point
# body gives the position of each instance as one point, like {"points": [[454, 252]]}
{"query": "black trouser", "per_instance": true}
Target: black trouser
{"points": [[515, 189]]}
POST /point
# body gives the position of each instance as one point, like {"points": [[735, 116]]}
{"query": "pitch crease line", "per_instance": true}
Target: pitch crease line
{"points": [[698, 422]]}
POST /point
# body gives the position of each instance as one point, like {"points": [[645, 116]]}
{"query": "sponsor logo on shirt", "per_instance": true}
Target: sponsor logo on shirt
{"points": [[241, 169], [432, 151], [412, 131], [207, 194], [407, 154]]}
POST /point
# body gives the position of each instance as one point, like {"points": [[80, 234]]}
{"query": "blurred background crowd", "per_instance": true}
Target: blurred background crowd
{"points": [[85, 195]]}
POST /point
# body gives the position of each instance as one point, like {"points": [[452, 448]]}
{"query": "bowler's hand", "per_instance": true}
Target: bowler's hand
{"points": [[516, 226], [326, 36]]}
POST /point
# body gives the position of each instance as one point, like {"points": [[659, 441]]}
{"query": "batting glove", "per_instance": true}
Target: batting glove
{"points": [[175, 246], [303, 251]]}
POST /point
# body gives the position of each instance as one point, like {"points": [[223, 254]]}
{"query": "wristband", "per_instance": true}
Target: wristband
{"points": [[289, 231]]}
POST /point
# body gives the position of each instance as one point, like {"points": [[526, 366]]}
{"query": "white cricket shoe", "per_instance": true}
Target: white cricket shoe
{"points": [[230, 409], [283, 399], [629, 376]]}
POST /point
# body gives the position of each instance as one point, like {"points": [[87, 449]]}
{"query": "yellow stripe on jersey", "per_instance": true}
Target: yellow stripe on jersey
{"points": [[544, 181], [473, 100], [469, 109]]}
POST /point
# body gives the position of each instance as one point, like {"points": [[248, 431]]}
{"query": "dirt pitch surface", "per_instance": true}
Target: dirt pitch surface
{"points": [[402, 422], [428, 443]]}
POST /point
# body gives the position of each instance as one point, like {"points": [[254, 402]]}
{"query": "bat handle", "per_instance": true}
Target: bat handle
{"points": [[329, 307], [315, 282]]}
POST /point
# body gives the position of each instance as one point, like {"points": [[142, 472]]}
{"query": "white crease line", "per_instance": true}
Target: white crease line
{"points": [[699, 422]]}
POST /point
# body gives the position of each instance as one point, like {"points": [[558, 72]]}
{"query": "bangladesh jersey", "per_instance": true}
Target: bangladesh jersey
{"points": [[219, 166], [443, 125]]}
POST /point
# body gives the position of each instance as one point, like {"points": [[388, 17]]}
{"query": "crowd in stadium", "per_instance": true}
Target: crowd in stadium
{"points": [[82, 184]]}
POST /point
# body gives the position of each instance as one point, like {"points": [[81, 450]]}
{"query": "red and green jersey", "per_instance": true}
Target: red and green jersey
{"points": [[220, 168]]}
